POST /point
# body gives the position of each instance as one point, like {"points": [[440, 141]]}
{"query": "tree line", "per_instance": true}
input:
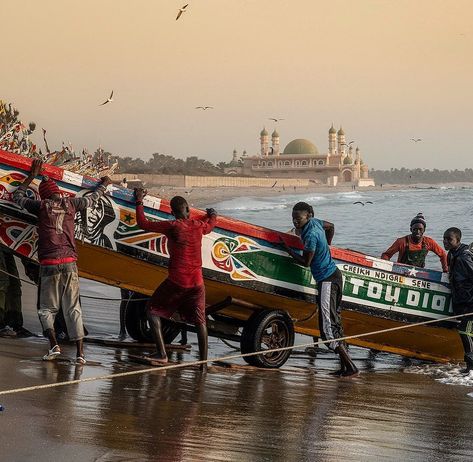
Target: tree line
{"points": [[419, 175], [169, 165]]}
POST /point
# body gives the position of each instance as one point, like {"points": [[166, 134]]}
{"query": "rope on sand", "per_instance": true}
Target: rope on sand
{"points": [[223, 358]]}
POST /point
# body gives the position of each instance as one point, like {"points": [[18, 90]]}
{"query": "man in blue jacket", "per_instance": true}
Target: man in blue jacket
{"points": [[460, 264]]}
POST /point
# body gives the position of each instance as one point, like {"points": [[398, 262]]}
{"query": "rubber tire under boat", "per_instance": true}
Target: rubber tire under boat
{"points": [[137, 325], [255, 333]]}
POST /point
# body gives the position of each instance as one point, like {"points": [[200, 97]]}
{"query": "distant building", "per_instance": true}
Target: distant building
{"points": [[341, 164]]}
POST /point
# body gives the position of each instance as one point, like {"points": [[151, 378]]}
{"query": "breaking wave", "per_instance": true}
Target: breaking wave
{"points": [[444, 373]]}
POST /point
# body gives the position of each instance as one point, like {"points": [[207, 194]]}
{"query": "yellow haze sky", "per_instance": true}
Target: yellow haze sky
{"points": [[387, 71]]}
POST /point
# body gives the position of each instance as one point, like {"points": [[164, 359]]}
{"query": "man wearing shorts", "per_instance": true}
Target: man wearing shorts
{"points": [[316, 235], [183, 291], [59, 279]]}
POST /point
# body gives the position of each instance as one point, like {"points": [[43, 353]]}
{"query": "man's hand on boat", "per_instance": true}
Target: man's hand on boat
{"points": [[36, 168], [140, 193], [283, 243], [106, 180]]}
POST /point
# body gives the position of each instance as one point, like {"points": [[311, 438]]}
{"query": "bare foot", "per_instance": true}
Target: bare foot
{"points": [[348, 374], [156, 357]]}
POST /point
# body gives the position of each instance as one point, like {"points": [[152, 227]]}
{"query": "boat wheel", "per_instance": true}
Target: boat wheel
{"points": [[137, 324], [266, 330]]}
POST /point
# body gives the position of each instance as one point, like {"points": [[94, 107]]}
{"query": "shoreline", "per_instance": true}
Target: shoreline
{"points": [[199, 197]]}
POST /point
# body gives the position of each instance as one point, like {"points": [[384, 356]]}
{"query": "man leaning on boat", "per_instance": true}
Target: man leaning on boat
{"points": [[413, 248], [59, 280], [316, 235]]}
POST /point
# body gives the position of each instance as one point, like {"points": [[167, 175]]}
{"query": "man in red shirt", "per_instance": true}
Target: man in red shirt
{"points": [[183, 290], [412, 249]]}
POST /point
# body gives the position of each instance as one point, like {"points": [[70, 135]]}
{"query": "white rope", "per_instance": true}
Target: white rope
{"points": [[223, 358]]}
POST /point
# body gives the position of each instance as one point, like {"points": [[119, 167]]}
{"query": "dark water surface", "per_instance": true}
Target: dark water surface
{"points": [[299, 413]]}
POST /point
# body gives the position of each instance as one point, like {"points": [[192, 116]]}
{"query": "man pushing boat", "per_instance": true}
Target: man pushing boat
{"points": [[413, 248], [183, 291], [316, 235], [59, 279]]}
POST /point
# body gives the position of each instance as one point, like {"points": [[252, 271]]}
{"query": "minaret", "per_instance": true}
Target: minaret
{"points": [[332, 142], [275, 143], [341, 141], [235, 156], [358, 162], [264, 139]]}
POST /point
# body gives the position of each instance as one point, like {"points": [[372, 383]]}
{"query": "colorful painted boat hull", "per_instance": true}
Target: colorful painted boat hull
{"points": [[243, 261]]}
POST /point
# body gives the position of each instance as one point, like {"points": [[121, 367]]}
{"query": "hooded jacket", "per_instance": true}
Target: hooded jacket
{"points": [[460, 263]]}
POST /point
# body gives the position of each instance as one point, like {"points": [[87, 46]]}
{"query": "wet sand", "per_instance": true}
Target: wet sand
{"points": [[183, 415]]}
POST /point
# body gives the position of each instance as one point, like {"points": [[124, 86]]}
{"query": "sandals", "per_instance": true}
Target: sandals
{"points": [[52, 353], [80, 360]]}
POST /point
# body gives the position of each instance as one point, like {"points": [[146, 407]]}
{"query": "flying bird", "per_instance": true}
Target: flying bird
{"points": [[181, 10], [275, 120], [416, 140], [348, 144], [109, 100], [362, 203], [204, 108]]}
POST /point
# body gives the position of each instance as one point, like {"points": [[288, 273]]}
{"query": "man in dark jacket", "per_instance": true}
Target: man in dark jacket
{"points": [[59, 279], [460, 263]]}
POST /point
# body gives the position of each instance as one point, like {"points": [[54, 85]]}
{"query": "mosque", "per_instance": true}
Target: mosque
{"points": [[341, 164]]}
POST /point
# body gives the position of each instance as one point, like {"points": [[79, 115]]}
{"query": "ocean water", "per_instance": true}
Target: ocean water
{"points": [[371, 228]]}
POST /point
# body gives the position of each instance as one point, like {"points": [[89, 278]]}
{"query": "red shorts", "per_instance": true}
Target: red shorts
{"points": [[170, 298]]}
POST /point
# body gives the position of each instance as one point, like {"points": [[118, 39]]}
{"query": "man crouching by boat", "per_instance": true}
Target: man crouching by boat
{"points": [[59, 280], [412, 249], [316, 236], [183, 291], [460, 262]]}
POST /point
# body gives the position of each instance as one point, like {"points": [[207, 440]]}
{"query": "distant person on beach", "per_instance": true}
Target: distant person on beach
{"points": [[124, 183], [316, 236], [413, 248], [183, 291], [59, 279], [460, 263]]}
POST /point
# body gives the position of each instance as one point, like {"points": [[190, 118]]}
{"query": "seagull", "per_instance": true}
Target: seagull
{"points": [[109, 100], [276, 120], [348, 144], [181, 10], [416, 140], [204, 108], [362, 203]]}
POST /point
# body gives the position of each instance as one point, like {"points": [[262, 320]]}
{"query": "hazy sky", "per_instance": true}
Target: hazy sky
{"points": [[387, 71]]}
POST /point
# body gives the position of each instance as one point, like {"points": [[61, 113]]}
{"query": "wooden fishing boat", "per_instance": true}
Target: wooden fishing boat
{"points": [[255, 292]]}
